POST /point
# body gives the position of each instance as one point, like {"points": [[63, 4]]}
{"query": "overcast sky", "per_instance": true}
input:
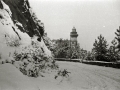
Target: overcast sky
{"points": [[90, 18]]}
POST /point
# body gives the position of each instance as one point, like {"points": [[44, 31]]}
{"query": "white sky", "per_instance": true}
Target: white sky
{"points": [[90, 17]]}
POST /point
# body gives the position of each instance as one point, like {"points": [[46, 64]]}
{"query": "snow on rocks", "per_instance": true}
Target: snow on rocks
{"points": [[18, 48], [6, 8], [48, 42]]}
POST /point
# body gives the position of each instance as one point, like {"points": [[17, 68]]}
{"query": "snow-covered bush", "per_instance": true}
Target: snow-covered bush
{"points": [[62, 73], [32, 59]]}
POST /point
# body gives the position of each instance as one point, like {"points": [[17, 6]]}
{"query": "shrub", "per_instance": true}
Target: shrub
{"points": [[34, 60], [63, 73], [100, 49]]}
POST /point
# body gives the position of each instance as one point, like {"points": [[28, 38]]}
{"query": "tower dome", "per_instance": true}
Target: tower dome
{"points": [[73, 37], [74, 29], [74, 33]]}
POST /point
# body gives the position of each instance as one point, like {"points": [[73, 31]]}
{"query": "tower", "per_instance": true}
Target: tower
{"points": [[73, 37]]}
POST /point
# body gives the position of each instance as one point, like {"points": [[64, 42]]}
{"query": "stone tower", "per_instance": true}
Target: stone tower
{"points": [[73, 37]]}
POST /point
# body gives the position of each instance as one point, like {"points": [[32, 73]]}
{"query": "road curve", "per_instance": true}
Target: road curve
{"points": [[82, 77], [91, 77]]}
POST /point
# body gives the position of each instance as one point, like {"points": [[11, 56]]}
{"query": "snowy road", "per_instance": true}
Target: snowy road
{"points": [[82, 77]]}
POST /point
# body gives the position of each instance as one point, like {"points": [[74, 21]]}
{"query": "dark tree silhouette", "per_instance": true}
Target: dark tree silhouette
{"points": [[118, 38], [100, 48], [112, 52]]}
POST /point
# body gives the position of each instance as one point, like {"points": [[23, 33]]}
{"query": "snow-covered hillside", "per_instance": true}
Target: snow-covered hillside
{"points": [[22, 38], [23, 50]]}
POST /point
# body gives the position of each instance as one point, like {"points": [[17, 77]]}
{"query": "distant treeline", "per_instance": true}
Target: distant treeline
{"points": [[101, 51]]}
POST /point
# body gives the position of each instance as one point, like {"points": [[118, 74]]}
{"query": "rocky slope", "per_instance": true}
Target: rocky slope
{"points": [[22, 39], [23, 17]]}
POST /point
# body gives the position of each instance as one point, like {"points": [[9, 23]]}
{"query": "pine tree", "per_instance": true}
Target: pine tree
{"points": [[100, 48], [112, 53], [118, 38]]}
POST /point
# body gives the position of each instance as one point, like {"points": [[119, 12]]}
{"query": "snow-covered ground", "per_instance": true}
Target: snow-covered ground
{"points": [[82, 77], [12, 79]]}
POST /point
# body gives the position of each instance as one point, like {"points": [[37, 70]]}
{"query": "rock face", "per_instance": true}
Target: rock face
{"points": [[25, 18], [22, 39]]}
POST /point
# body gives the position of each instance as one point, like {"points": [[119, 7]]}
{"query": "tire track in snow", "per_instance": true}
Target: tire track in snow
{"points": [[110, 82]]}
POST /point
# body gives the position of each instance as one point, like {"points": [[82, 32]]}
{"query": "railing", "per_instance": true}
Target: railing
{"points": [[67, 59], [102, 63], [99, 63]]}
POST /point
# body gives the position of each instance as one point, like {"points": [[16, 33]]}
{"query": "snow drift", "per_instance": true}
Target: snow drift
{"points": [[12, 79]]}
